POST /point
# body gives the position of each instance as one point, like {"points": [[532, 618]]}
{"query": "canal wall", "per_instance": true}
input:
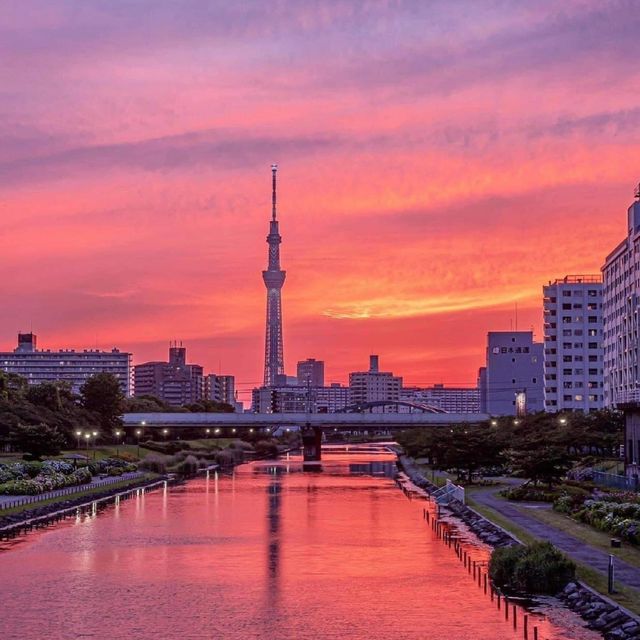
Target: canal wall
{"points": [[12, 525], [599, 612], [487, 531]]}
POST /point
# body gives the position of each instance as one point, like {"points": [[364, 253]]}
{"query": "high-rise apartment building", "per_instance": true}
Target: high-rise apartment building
{"points": [[513, 382], [573, 350], [65, 365], [621, 312], [220, 388], [311, 372], [175, 382], [374, 385]]}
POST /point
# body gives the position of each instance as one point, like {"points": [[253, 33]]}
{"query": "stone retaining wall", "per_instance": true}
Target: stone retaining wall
{"points": [[599, 612]]}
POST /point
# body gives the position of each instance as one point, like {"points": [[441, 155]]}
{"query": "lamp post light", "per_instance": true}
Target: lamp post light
{"points": [[138, 434], [494, 423], [563, 421], [78, 436], [95, 442], [217, 431], [87, 437], [117, 433], [208, 432], [165, 433]]}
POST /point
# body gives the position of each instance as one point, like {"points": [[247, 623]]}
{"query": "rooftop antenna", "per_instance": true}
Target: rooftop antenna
{"points": [[274, 171], [516, 315]]}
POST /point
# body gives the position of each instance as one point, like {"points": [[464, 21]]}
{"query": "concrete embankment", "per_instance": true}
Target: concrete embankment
{"points": [[14, 524], [599, 612]]}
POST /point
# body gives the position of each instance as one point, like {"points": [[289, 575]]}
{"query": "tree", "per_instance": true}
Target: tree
{"points": [[38, 440], [102, 395], [52, 395]]}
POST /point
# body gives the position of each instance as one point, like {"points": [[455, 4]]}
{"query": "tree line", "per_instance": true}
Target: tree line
{"points": [[541, 446]]}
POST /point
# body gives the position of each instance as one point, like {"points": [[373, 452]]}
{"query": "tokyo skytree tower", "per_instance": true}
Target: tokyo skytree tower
{"points": [[273, 280]]}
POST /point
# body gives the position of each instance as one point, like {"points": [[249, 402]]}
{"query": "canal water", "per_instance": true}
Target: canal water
{"points": [[267, 552]]}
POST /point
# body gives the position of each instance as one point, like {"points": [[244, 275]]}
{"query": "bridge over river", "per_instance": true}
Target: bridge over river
{"points": [[311, 424]]}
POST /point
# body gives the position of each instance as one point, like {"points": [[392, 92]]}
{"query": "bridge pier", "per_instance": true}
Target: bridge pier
{"points": [[311, 447]]}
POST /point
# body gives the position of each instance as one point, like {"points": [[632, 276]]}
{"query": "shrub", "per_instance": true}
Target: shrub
{"points": [[154, 462], [539, 568], [188, 467]]}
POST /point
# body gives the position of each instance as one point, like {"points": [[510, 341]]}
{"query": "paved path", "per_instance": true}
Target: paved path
{"points": [[95, 482], [576, 549]]}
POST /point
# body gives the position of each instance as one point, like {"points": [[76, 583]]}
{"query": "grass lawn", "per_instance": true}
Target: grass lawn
{"points": [[625, 596], [81, 493], [109, 451], [587, 534]]}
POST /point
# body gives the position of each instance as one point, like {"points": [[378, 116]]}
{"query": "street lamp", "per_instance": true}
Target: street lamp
{"points": [[95, 438], [563, 421], [208, 431], [87, 437], [494, 423], [217, 430], [78, 436], [516, 422], [117, 433], [138, 434], [165, 433]]}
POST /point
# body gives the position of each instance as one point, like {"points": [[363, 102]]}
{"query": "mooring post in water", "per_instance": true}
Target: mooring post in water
{"points": [[515, 617], [498, 595], [506, 608], [526, 626], [535, 633], [485, 584]]}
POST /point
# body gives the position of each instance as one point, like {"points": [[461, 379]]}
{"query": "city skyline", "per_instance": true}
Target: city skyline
{"points": [[414, 222]]}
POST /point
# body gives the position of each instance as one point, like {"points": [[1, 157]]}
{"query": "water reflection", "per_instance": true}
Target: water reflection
{"points": [[266, 552]]}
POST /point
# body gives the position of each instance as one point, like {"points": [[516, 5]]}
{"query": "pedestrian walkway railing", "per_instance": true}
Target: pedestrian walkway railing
{"points": [[449, 492], [67, 491], [626, 483]]}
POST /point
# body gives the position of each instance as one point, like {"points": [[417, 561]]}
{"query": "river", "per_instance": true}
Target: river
{"points": [[268, 552]]}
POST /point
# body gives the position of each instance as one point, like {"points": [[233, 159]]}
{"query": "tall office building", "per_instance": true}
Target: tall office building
{"points": [[175, 382], [273, 280], [66, 365], [374, 385], [621, 312], [311, 372], [573, 353], [513, 381]]}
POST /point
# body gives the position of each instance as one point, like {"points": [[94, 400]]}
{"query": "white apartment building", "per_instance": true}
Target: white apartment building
{"points": [[621, 313], [374, 385], [65, 365], [573, 349], [449, 399]]}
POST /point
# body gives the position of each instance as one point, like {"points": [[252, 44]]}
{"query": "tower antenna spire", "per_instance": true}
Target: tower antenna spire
{"points": [[274, 171]]}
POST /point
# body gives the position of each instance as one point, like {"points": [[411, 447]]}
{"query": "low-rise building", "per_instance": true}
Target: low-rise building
{"points": [[449, 399]]}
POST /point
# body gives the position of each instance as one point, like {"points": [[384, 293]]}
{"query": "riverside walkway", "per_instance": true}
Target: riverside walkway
{"points": [[576, 549], [6, 501]]}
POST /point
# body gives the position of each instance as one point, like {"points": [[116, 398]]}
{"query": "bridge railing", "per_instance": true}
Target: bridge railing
{"points": [[449, 492]]}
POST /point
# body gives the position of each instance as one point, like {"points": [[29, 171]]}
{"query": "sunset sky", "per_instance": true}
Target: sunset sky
{"points": [[438, 162]]}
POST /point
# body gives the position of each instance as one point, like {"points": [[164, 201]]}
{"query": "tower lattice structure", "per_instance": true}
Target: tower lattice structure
{"points": [[273, 280]]}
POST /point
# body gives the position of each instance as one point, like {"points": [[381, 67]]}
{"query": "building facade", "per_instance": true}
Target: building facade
{"points": [[513, 382], [449, 399], [66, 365], [374, 385], [573, 344], [174, 382], [218, 388], [621, 311], [301, 399], [311, 371]]}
